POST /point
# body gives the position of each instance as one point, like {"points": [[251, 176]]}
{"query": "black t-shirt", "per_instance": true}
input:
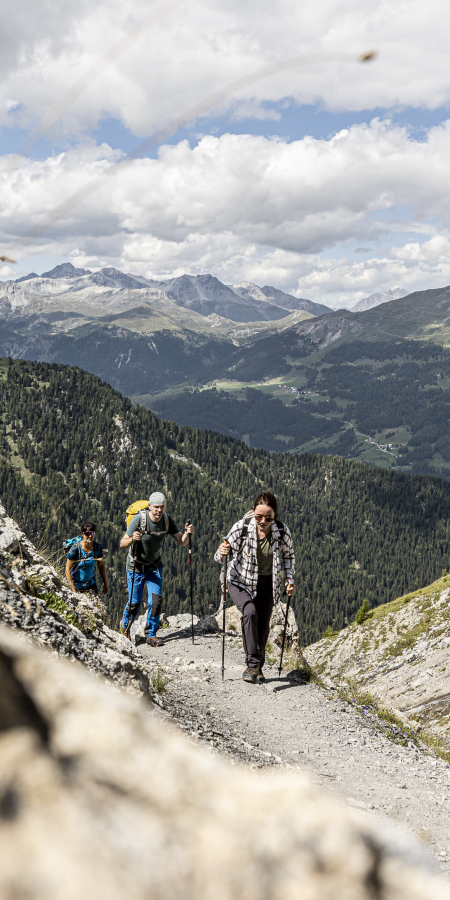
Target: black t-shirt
{"points": [[148, 549]]}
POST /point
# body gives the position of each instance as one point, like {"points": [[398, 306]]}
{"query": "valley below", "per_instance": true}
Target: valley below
{"points": [[278, 372]]}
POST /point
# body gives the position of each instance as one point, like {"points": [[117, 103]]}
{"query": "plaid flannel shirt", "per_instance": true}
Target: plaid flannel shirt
{"points": [[242, 568]]}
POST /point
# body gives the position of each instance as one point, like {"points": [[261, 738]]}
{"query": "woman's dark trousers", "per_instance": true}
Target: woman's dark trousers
{"points": [[255, 622]]}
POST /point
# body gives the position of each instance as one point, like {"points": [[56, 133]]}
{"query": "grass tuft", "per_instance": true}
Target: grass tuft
{"points": [[54, 602], [159, 681]]}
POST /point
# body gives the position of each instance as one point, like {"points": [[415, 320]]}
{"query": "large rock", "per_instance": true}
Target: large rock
{"points": [[99, 799], [275, 639], [9, 540], [277, 628]]}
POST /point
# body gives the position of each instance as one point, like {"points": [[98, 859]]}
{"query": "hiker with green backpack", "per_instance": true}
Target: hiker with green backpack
{"points": [[255, 545], [147, 526], [84, 553]]}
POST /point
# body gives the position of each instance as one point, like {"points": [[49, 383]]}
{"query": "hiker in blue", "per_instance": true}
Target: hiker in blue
{"points": [[83, 554], [144, 539]]}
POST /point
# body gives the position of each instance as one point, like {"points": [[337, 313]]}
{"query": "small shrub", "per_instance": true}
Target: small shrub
{"points": [[330, 632], [364, 613]]}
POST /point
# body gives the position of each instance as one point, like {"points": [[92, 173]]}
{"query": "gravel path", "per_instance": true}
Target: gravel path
{"points": [[288, 722]]}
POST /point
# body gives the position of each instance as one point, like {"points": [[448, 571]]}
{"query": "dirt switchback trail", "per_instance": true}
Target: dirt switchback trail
{"points": [[289, 723]]}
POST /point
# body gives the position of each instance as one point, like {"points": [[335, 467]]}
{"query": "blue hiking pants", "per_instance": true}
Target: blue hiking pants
{"points": [[153, 580]]}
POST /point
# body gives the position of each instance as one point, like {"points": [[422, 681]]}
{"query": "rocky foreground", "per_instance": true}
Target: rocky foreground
{"points": [[101, 796], [101, 800]]}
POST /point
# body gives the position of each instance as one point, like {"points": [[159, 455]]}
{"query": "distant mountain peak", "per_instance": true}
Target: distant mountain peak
{"points": [[378, 299], [27, 277], [65, 270]]}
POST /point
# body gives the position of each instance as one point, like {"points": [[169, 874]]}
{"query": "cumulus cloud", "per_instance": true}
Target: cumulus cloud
{"points": [[253, 208], [205, 44]]}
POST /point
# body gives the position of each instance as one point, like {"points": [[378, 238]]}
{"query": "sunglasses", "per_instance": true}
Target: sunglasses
{"points": [[267, 518], [89, 533]]}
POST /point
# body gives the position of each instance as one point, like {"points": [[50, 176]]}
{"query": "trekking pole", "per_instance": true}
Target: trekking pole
{"points": [[128, 628], [190, 576], [224, 600], [284, 634]]}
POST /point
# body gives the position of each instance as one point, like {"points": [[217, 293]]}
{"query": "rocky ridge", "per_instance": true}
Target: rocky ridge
{"points": [[204, 294], [400, 654], [34, 600]]}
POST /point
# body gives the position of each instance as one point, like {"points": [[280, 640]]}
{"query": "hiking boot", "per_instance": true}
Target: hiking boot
{"points": [[125, 632], [153, 642], [250, 674], [260, 678]]}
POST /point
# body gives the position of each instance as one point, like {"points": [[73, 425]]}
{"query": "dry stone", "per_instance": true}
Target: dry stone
{"points": [[99, 799], [9, 540]]}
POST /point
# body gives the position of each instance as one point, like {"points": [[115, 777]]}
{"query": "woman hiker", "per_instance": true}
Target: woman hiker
{"points": [[81, 559], [256, 543]]}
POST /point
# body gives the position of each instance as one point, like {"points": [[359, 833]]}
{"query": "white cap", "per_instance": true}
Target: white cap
{"points": [[157, 499]]}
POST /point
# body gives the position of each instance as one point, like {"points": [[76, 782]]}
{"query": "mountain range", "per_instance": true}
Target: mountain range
{"points": [[81, 290], [248, 362]]}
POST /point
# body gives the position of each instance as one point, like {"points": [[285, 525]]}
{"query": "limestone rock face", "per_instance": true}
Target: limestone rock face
{"points": [[34, 600], [9, 540], [400, 656], [99, 799]]}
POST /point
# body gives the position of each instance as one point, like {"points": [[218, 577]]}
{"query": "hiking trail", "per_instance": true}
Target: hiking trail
{"points": [[291, 723]]}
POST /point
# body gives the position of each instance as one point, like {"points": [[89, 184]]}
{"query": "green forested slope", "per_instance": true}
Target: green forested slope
{"points": [[265, 421], [358, 531], [388, 390]]}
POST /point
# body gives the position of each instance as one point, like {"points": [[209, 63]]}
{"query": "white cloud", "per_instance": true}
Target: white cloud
{"points": [[250, 208], [206, 44]]}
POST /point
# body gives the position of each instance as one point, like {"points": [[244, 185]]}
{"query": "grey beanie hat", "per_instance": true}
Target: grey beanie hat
{"points": [[157, 499]]}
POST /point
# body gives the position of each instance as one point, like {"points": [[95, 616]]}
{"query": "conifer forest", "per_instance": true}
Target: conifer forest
{"points": [[72, 448]]}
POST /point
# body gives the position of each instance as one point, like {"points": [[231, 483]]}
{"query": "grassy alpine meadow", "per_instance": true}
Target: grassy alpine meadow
{"points": [[73, 448]]}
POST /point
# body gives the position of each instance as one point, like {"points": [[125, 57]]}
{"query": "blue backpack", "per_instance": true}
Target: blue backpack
{"points": [[69, 542]]}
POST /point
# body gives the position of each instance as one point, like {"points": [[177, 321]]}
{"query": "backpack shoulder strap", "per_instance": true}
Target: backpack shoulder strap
{"points": [[246, 520], [143, 521]]}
